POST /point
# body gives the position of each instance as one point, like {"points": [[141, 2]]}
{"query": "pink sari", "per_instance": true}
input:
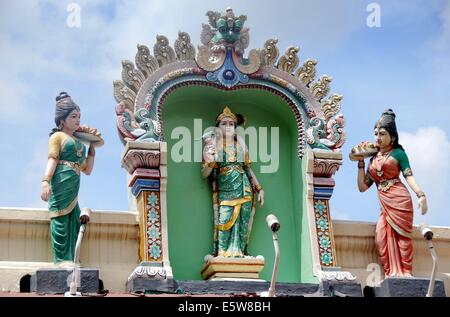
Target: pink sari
{"points": [[394, 227]]}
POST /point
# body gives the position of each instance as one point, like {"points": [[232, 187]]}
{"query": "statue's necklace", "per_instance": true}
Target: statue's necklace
{"points": [[381, 158], [78, 149]]}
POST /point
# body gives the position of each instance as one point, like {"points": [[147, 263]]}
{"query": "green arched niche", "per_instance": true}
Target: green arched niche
{"points": [[189, 200]]}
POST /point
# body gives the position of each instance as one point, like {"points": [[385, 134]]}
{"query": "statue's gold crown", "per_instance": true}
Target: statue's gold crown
{"points": [[226, 113]]}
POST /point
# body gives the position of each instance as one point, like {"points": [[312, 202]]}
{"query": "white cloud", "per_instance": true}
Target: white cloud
{"points": [[428, 150]]}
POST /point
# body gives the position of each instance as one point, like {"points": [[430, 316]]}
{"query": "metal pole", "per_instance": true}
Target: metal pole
{"points": [[74, 283], [433, 271], [271, 292]]}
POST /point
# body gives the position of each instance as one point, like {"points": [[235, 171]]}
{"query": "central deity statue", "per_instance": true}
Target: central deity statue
{"points": [[235, 186]]}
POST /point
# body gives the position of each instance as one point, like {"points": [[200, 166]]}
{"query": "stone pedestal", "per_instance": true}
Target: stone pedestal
{"points": [[408, 287], [149, 277], [337, 283], [57, 281], [237, 268]]}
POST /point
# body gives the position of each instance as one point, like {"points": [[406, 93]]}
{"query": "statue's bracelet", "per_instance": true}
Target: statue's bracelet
{"points": [[46, 179], [420, 194], [258, 188]]}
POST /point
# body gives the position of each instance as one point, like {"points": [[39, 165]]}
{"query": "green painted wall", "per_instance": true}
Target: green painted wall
{"points": [[190, 213]]}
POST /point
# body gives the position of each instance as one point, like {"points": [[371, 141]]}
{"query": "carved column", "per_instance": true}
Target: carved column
{"points": [[325, 165], [147, 164]]}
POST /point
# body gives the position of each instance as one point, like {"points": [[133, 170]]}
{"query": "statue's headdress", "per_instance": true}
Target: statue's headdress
{"points": [[226, 113]]}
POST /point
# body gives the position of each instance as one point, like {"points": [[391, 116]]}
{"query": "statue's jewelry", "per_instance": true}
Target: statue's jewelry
{"points": [[231, 152], [46, 178], [382, 159], [79, 150]]}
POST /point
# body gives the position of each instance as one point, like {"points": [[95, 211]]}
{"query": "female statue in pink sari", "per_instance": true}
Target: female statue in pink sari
{"points": [[393, 236]]}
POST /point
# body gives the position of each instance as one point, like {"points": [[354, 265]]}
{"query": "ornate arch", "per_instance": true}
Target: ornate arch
{"points": [[220, 63]]}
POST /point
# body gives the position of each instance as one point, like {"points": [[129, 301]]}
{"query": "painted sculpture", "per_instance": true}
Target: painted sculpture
{"points": [[61, 183], [235, 186], [393, 237]]}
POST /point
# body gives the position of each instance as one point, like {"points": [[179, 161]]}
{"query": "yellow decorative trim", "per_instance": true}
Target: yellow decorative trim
{"points": [[73, 165], [65, 211], [398, 229], [237, 204]]}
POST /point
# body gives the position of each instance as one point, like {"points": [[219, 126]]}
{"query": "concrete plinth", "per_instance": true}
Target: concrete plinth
{"points": [[57, 281], [408, 287]]}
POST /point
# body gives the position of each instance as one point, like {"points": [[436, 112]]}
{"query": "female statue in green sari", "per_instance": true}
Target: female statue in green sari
{"points": [[60, 185], [235, 186]]}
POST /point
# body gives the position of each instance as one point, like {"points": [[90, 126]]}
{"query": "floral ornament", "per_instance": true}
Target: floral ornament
{"points": [[152, 216], [153, 200], [155, 251], [326, 258], [320, 207], [322, 224], [324, 242], [153, 232]]}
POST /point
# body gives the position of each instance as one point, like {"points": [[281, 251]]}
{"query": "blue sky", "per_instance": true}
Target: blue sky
{"points": [[404, 64]]}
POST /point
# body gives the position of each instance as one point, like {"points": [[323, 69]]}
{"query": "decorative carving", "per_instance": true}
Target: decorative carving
{"points": [[332, 106], [125, 122], [326, 135], [337, 276], [289, 60], [225, 30], [225, 33], [324, 234], [140, 159], [251, 66], [321, 88], [124, 94], [131, 76], [307, 72], [138, 126], [162, 51], [325, 167], [270, 52], [146, 63], [148, 272], [208, 60], [183, 47], [153, 226]]}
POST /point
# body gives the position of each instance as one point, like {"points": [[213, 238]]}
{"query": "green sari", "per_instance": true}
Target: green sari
{"points": [[63, 201], [236, 202]]}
